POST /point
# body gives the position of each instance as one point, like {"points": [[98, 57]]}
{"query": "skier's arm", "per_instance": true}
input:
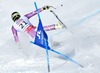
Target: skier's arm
{"points": [[14, 31], [31, 14]]}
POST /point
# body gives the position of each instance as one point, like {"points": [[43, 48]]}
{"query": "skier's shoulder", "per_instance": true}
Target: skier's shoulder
{"points": [[23, 17]]}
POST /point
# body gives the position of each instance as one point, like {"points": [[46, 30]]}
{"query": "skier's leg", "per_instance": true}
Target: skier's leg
{"points": [[53, 27], [32, 32], [49, 27]]}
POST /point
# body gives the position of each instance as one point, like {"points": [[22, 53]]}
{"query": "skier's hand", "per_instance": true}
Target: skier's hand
{"points": [[46, 7]]}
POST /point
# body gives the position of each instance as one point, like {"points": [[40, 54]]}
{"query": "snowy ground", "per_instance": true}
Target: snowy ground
{"points": [[81, 40]]}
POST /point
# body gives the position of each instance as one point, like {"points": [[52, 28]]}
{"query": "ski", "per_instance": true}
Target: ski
{"points": [[64, 26]]}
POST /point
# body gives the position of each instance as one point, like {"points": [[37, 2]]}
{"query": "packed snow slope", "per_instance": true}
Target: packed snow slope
{"points": [[80, 41]]}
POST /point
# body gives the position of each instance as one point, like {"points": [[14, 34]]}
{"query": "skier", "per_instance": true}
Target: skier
{"points": [[22, 24]]}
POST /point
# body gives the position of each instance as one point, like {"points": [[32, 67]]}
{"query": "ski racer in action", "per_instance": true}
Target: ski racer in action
{"points": [[22, 24]]}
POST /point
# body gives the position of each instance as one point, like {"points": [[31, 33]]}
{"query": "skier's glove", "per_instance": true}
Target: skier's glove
{"points": [[46, 7]]}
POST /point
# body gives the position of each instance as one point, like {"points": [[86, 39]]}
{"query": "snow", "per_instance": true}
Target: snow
{"points": [[81, 40]]}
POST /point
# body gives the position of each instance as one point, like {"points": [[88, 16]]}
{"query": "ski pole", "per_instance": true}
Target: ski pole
{"points": [[58, 19], [56, 7]]}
